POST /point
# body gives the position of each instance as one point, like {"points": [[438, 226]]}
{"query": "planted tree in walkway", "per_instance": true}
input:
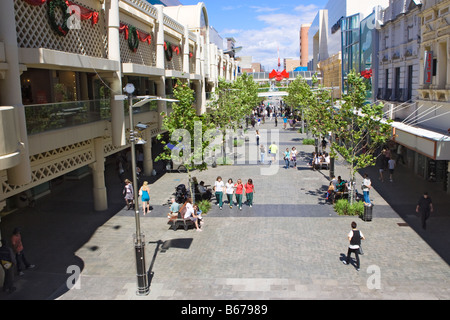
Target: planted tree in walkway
{"points": [[232, 102], [300, 96], [359, 128], [186, 145]]}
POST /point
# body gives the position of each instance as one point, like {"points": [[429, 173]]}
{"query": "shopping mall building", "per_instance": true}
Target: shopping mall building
{"points": [[60, 75]]}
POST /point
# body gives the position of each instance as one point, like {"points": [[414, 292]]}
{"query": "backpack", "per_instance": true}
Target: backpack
{"points": [[356, 239]]}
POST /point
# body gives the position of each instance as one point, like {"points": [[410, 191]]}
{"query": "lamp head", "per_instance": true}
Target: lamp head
{"points": [[129, 88]]}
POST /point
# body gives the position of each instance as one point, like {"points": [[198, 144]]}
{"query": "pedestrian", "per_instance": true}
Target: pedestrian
{"points": [[425, 208], [391, 167], [262, 150], [276, 120], [287, 156], [144, 192], [257, 137], [128, 192], [294, 157], [381, 164], [354, 236], [239, 192], [229, 189], [17, 246], [366, 186], [249, 191], [219, 187], [285, 119], [324, 144], [8, 261], [273, 150]]}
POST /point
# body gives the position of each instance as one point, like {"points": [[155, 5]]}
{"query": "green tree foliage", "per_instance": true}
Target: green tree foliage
{"points": [[358, 127]]}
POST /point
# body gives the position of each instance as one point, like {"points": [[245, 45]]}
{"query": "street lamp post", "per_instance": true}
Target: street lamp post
{"points": [[139, 238]]}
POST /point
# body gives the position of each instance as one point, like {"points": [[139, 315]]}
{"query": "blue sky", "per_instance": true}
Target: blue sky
{"points": [[261, 26]]}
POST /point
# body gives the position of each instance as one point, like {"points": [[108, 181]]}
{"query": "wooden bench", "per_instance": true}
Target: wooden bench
{"points": [[177, 221], [340, 195]]}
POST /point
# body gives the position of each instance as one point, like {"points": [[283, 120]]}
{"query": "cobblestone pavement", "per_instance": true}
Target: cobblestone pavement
{"points": [[289, 245]]}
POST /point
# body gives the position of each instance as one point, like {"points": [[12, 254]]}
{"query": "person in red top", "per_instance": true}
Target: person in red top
{"points": [[16, 242], [249, 190], [239, 192]]}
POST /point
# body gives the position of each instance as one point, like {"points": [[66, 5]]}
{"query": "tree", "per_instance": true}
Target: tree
{"points": [[232, 102], [300, 96], [359, 129], [184, 124]]}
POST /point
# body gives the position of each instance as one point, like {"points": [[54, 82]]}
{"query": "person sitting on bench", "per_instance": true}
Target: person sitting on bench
{"points": [[204, 192], [190, 213], [341, 188]]}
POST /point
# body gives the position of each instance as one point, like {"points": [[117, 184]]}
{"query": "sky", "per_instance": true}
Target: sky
{"points": [[260, 27]]}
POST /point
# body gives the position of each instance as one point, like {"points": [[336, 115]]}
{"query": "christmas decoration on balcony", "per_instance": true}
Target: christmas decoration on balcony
{"points": [[60, 29], [136, 36], [170, 49]]}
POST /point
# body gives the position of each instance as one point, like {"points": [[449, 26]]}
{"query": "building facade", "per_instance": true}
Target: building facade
{"points": [[58, 84], [413, 83]]}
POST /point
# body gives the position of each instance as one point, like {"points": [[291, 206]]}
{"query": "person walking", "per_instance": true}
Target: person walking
{"points": [[7, 260], [229, 189], [128, 192], [17, 246], [257, 137], [249, 191], [262, 151], [273, 150], [287, 157], [354, 236], [366, 186], [144, 192], [239, 192], [219, 187], [425, 208], [294, 157], [391, 167]]}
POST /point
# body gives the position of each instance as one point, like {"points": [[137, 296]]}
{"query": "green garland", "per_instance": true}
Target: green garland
{"points": [[168, 51], [62, 29], [133, 39]]}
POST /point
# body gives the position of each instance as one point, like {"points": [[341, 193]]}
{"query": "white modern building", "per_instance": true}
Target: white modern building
{"points": [[58, 113]]}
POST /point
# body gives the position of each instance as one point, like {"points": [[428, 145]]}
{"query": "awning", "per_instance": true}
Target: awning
{"points": [[432, 144]]}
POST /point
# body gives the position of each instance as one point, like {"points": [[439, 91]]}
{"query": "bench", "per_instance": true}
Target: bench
{"points": [[340, 195], [177, 221]]}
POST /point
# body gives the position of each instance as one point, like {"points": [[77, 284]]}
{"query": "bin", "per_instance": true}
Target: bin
{"points": [[367, 212]]}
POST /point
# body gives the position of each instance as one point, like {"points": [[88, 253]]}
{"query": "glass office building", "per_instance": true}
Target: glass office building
{"points": [[357, 47]]}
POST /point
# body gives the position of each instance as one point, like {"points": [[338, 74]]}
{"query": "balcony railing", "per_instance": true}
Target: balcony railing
{"points": [[46, 117]]}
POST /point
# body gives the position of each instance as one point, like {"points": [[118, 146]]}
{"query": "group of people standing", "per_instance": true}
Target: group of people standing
{"points": [[238, 189]]}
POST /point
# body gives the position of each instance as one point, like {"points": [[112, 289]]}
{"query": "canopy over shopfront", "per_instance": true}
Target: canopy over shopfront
{"points": [[432, 144]]}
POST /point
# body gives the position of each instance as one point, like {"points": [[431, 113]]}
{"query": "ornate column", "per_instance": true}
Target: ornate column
{"points": [[11, 95]]}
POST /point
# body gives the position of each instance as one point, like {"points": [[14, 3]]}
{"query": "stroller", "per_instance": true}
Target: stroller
{"points": [[181, 194]]}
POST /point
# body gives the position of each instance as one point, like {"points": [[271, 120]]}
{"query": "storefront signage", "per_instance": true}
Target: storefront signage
{"points": [[428, 72]]}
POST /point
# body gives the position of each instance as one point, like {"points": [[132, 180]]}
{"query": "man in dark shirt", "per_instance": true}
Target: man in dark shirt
{"points": [[424, 207]]}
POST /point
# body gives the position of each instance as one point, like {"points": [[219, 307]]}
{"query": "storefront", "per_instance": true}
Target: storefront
{"points": [[425, 152]]}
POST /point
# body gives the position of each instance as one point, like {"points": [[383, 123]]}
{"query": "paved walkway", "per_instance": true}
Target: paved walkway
{"points": [[289, 245]]}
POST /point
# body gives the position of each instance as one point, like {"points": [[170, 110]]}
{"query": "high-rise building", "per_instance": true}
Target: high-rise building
{"points": [[304, 45]]}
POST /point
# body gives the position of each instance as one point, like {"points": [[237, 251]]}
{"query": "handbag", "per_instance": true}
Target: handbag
{"points": [[360, 250], [6, 264]]}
